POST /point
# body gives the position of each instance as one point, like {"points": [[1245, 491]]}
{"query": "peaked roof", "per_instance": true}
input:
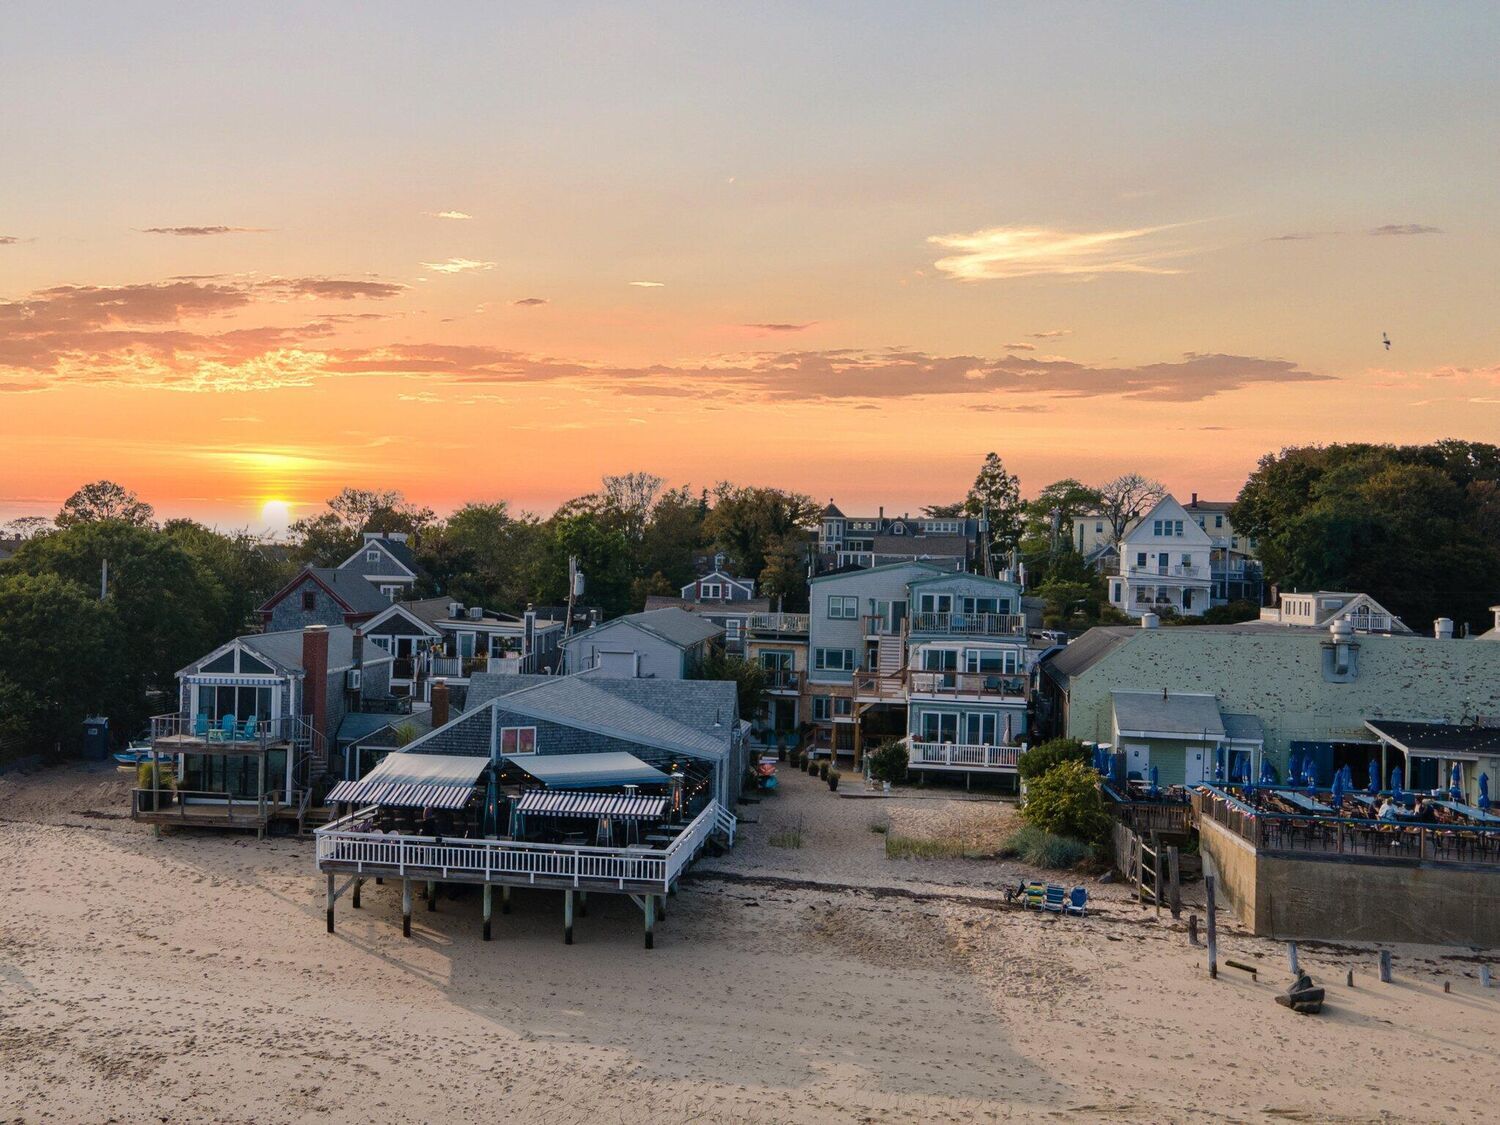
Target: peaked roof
{"points": [[694, 717], [710, 606], [673, 625], [283, 648], [1083, 653], [398, 550], [832, 509], [352, 591], [1168, 508], [1158, 712]]}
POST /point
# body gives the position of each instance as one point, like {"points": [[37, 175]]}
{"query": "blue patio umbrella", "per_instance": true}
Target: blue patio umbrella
{"points": [[1484, 792], [1396, 782], [1338, 789], [1153, 775], [1374, 777], [1456, 783]]}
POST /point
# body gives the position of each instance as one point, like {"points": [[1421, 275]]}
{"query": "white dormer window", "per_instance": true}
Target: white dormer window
{"points": [[372, 556], [898, 529], [712, 590]]}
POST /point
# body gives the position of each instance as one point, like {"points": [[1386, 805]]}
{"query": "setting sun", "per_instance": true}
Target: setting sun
{"points": [[278, 513]]}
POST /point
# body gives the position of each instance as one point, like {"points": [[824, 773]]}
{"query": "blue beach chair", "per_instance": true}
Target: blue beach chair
{"points": [[248, 731], [227, 727], [200, 726], [1053, 898], [1078, 901]]}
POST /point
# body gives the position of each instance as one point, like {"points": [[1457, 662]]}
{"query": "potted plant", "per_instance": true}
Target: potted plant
{"points": [[823, 771], [833, 780], [781, 752]]}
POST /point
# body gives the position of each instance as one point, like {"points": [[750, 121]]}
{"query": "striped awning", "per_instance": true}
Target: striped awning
{"points": [[550, 802], [415, 781]]}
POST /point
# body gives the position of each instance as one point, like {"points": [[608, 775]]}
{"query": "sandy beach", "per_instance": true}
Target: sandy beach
{"points": [[189, 978]]}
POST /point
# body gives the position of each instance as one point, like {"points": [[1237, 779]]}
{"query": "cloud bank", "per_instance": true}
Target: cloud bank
{"points": [[1006, 253]]}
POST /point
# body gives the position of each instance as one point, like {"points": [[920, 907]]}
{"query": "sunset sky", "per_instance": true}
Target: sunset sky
{"points": [[479, 251]]}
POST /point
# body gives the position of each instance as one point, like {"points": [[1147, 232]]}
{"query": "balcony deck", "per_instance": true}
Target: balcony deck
{"points": [[968, 685], [962, 757], [778, 625], [183, 734], [967, 624]]}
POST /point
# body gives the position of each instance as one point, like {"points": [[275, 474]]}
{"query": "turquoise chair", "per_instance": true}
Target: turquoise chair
{"points": [[227, 727], [249, 730], [200, 726], [1053, 898]]}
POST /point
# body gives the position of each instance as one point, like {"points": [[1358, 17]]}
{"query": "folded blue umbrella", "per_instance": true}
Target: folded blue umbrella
{"points": [[1374, 777], [1484, 792]]}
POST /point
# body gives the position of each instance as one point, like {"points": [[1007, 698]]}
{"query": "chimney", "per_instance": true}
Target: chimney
{"points": [[1150, 621], [1442, 628], [397, 536], [359, 648], [1194, 504], [315, 677], [528, 637], [372, 536], [439, 704]]}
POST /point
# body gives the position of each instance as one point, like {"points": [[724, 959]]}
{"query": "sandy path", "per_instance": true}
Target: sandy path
{"points": [[190, 979]]}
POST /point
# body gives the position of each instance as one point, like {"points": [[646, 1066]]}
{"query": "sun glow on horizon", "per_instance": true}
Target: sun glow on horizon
{"points": [[277, 513]]}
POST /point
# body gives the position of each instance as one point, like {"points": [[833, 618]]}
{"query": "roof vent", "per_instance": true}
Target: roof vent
{"points": [[1442, 628], [455, 609], [476, 612]]}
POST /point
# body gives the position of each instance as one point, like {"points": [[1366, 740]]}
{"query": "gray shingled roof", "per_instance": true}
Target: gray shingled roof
{"points": [[355, 589], [1084, 652], [687, 605], [1156, 713], [676, 626], [285, 648], [677, 715], [917, 544]]}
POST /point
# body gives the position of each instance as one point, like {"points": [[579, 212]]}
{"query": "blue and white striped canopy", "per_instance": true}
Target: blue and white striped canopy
{"points": [[415, 781], [551, 802]]}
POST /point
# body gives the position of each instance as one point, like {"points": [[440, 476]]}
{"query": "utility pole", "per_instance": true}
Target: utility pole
{"points": [[575, 583]]}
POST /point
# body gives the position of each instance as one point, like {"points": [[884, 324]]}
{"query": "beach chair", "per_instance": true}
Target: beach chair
{"points": [[200, 726], [1032, 896], [227, 727], [1078, 902], [1053, 898], [249, 730]]}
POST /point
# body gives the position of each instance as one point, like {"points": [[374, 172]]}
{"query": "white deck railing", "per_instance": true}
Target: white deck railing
{"points": [[345, 847], [963, 755]]}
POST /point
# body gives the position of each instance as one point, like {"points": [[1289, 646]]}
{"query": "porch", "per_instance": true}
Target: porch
{"points": [[962, 757]]}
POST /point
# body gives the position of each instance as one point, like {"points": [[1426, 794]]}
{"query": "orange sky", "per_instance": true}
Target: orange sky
{"points": [[413, 256]]}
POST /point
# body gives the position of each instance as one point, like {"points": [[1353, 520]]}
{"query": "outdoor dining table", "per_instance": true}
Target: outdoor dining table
{"points": [[1302, 801], [1467, 810]]}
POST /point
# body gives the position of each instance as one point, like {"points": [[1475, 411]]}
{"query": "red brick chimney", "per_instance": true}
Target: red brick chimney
{"points": [[439, 704], [315, 682]]}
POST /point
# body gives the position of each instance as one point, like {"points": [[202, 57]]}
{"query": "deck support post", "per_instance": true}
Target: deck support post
{"points": [[330, 902], [431, 894], [1385, 966], [405, 907], [567, 917], [583, 904], [489, 902], [358, 883], [661, 907], [505, 899], [650, 909], [1213, 929]]}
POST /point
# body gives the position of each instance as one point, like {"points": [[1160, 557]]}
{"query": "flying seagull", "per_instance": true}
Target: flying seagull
{"points": [[1386, 340]]}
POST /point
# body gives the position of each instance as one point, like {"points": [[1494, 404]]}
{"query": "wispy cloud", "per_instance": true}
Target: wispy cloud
{"points": [[1020, 347], [447, 214], [201, 232], [335, 289], [528, 301], [1051, 333], [457, 265], [775, 327], [1301, 236], [648, 284], [1405, 228], [1005, 253], [8, 240]]}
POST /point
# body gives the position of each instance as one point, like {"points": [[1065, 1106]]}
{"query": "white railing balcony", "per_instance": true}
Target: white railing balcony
{"points": [[879, 625], [783, 679], [969, 624], [1176, 571], [183, 732], [349, 845], [962, 756], [446, 667], [778, 622]]}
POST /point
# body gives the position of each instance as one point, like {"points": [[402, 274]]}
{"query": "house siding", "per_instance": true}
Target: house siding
{"points": [[289, 614], [659, 657], [829, 632]]}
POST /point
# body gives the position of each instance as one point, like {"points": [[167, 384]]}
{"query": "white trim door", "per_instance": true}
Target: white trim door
{"points": [[1137, 760], [1194, 764]]}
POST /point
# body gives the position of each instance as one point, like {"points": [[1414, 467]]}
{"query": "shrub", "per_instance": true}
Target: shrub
{"points": [[1042, 849], [833, 778], [787, 837], [888, 762], [1066, 802], [1039, 759], [823, 771]]}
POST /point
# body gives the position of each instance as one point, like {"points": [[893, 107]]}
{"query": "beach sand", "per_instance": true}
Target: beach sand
{"points": [[189, 978]]}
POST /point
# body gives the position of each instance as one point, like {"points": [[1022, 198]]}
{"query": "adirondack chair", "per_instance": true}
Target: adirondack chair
{"points": [[200, 725], [1077, 903], [227, 727], [249, 731], [1053, 898]]}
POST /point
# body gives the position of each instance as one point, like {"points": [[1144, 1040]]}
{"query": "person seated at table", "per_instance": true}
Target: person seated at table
{"points": [[1387, 810], [1426, 812]]}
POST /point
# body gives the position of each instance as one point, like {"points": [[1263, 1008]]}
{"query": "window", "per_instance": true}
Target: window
{"points": [[466, 645], [992, 661], [842, 706], [381, 642], [392, 593], [898, 529], [1187, 560], [732, 628], [938, 726], [939, 660], [372, 556], [309, 599], [1140, 559], [517, 740], [843, 607], [1166, 528], [1099, 529], [937, 603], [1218, 521], [712, 590], [981, 729], [822, 708], [941, 527], [835, 660]]}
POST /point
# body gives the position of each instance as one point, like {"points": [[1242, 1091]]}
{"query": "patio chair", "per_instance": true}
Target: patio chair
{"points": [[1078, 901], [250, 728], [224, 732], [1054, 898], [1032, 896], [200, 725]]}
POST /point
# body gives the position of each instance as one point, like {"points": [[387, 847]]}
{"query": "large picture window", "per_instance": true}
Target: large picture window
{"points": [[517, 740], [843, 607]]}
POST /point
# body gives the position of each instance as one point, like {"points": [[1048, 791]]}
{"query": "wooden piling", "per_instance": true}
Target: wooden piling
{"points": [[1174, 874], [1291, 957], [583, 904], [505, 899], [1385, 966], [330, 902], [1349, 980], [1213, 930], [650, 908], [661, 908], [358, 883], [1192, 929], [431, 894], [489, 902], [567, 917], [406, 908], [1484, 976]]}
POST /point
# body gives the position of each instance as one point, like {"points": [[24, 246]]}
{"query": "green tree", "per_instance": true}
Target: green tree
{"points": [[1126, 499], [749, 680], [243, 575], [1066, 802], [747, 523], [996, 494], [331, 536], [57, 646], [1043, 757], [104, 500], [673, 535]]}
